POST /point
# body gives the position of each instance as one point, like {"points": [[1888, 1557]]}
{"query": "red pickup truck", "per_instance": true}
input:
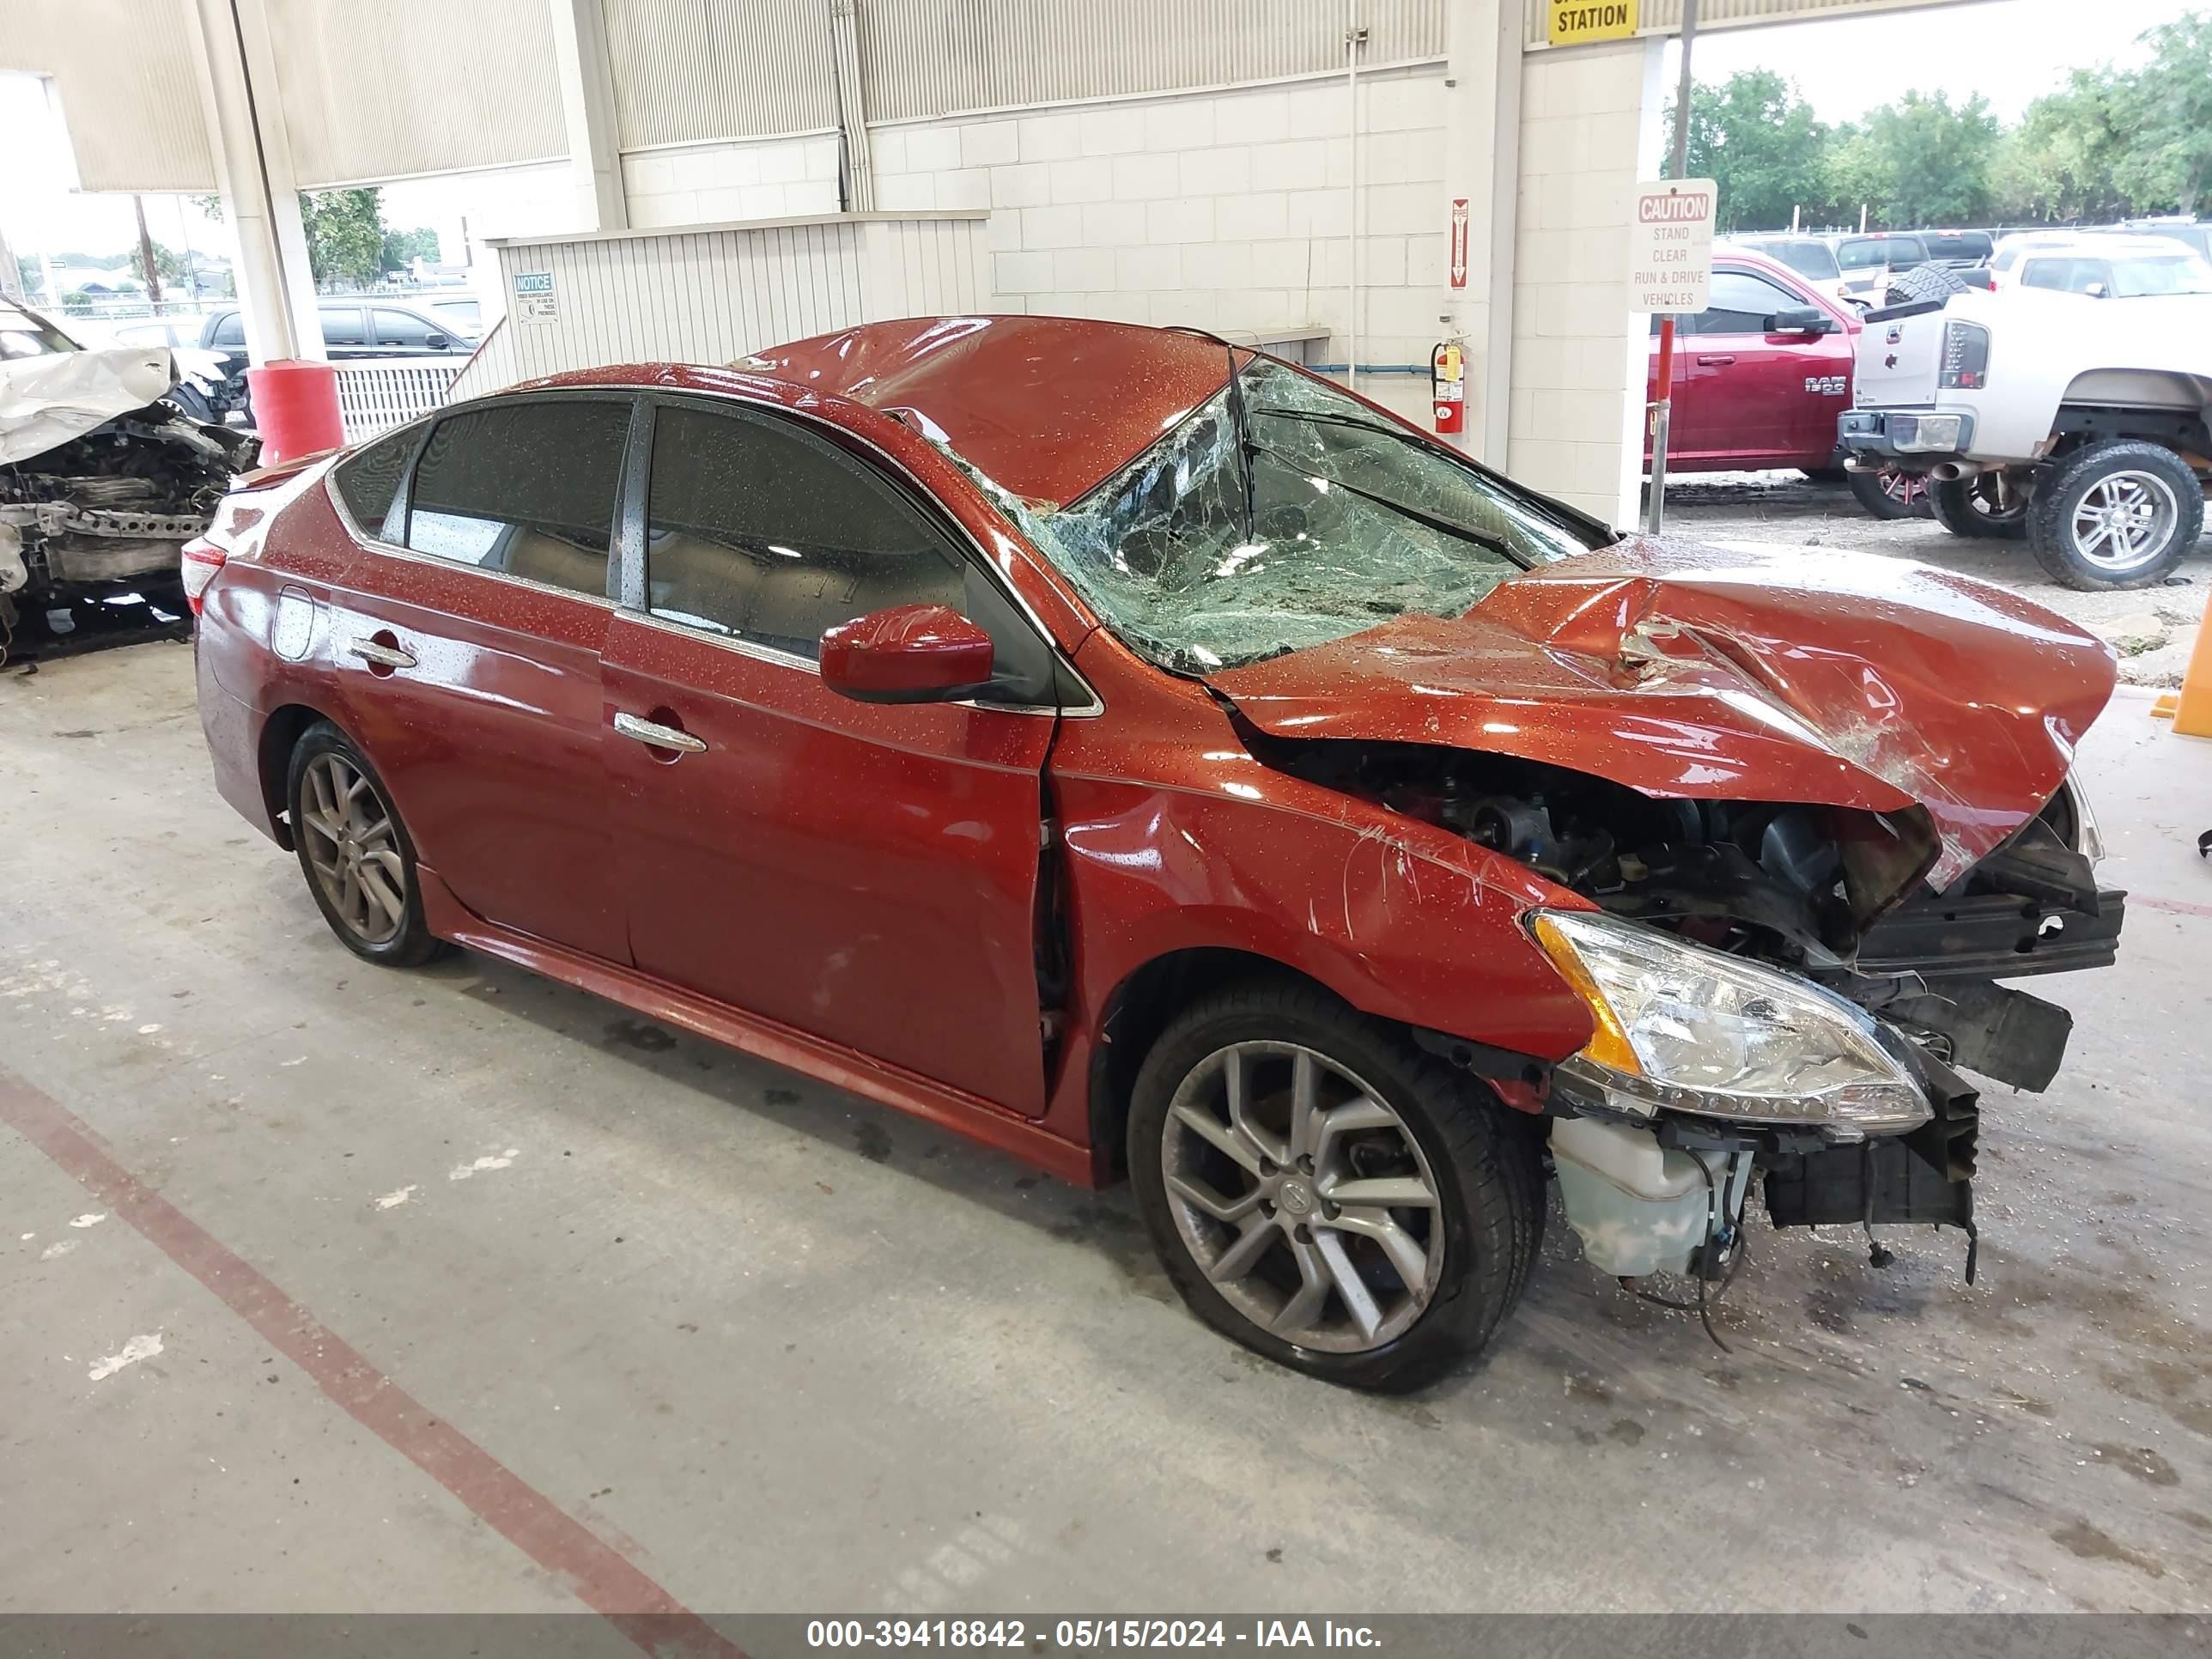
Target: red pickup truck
{"points": [[1760, 375]]}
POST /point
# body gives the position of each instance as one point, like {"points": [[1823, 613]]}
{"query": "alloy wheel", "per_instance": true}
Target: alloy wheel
{"points": [[1908, 489], [354, 848], [1303, 1197], [2125, 519]]}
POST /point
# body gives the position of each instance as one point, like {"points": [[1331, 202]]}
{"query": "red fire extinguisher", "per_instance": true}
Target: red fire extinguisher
{"points": [[1448, 386]]}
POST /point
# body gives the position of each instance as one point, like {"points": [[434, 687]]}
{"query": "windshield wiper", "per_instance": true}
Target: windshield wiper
{"points": [[1444, 526]]}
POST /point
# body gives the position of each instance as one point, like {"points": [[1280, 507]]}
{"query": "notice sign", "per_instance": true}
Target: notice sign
{"points": [[1670, 244], [533, 297], [1571, 22]]}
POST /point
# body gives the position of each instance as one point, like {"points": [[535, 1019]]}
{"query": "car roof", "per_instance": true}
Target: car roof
{"points": [[1046, 407], [2111, 245]]}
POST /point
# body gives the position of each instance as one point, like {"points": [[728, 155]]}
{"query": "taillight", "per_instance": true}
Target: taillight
{"points": [[1966, 361], [199, 559]]}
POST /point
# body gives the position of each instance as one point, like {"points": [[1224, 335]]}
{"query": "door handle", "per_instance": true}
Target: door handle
{"points": [[1715, 363], [658, 736], [383, 656]]}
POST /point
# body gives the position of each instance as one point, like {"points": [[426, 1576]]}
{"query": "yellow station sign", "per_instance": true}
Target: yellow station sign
{"points": [[1571, 22]]}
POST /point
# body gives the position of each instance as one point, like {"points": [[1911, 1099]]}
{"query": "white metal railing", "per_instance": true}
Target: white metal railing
{"points": [[376, 396]]}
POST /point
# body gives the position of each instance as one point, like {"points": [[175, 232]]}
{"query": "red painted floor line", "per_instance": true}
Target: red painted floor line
{"points": [[2173, 907], [593, 1569]]}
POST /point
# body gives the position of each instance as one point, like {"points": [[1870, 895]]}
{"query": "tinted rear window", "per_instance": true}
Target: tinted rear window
{"points": [[1862, 252], [526, 488], [1958, 245], [1807, 258], [368, 480]]}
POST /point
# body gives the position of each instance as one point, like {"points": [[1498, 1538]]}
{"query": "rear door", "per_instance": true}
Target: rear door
{"points": [[343, 335], [470, 649], [1753, 394], [863, 873]]}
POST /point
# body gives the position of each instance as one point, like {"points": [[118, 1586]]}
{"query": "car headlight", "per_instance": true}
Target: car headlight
{"points": [[1692, 1030]]}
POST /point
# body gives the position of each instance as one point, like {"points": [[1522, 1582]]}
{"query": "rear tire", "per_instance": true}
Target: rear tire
{"points": [[355, 851], [1384, 1110], [1987, 506], [1890, 493], [2119, 514]]}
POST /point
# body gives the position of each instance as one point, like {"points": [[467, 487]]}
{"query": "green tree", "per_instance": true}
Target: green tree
{"points": [[1759, 141], [2061, 163], [1920, 161], [345, 234], [2168, 159], [167, 263], [402, 247]]}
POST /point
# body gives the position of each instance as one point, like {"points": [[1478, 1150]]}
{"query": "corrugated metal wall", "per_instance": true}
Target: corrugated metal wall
{"points": [[128, 89], [712, 296], [939, 57], [719, 69], [415, 86], [1665, 16]]}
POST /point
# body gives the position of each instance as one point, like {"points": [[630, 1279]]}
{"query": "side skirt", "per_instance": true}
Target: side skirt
{"points": [[780, 1045]]}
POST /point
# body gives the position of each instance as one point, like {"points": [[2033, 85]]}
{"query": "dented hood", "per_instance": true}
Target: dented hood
{"points": [[1680, 670], [46, 401]]}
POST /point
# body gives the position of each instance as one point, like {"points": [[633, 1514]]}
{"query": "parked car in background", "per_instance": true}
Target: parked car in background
{"points": [[2192, 233], [1868, 261], [2117, 267], [353, 330], [2015, 246], [1145, 756], [464, 311], [2080, 424], [1810, 257], [1959, 249], [1760, 374]]}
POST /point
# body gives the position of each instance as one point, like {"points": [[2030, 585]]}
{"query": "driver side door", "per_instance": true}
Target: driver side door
{"points": [[863, 873], [1756, 397]]}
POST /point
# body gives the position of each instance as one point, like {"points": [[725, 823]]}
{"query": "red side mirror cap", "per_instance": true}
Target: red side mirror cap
{"points": [[909, 654]]}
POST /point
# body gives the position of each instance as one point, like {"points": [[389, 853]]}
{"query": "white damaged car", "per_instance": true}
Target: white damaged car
{"points": [[2078, 419]]}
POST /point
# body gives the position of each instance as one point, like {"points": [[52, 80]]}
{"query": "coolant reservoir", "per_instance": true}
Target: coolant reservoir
{"points": [[1638, 1207]]}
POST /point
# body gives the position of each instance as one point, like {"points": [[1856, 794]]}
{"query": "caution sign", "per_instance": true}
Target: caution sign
{"points": [[1670, 244], [1571, 22]]}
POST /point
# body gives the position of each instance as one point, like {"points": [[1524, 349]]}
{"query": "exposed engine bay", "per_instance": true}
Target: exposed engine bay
{"points": [[1836, 897], [111, 505]]}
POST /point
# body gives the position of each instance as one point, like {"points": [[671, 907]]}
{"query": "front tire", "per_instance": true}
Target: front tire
{"points": [[1324, 1193], [1989, 506], [355, 851], [2119, 514]]}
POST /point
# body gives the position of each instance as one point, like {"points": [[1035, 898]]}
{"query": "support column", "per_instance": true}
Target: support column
{"points": [[252, 153], [1482, 148], [587, 105]]}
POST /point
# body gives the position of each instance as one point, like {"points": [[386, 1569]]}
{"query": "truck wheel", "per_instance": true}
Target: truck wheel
{"points": [[1989, 504], [2118, 513], [1323, 1192], [1890, 493], [1931, 281]]}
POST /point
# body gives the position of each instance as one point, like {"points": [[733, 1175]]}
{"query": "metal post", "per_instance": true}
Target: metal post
{"points": [[146, 254], [1662, 408]]}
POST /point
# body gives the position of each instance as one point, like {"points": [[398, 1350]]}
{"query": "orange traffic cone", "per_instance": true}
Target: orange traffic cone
{"points": [[2191, 710]]}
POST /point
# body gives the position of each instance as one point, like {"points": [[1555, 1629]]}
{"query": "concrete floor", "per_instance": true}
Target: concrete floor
{"points": [[759, 1346]]}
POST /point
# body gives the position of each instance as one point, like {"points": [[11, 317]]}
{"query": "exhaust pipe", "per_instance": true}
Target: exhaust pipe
{"points": [[1952, 472]]}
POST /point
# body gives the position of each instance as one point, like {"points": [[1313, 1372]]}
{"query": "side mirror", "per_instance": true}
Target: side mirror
{"points": [[2095, 290], [1801, 319], [909, 654], [436, 342]]}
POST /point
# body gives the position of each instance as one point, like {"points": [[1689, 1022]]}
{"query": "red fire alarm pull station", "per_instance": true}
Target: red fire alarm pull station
{"points": [[1448, 386]]}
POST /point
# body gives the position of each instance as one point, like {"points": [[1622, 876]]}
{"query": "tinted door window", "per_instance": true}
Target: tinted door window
{"points": [[770, 534], [401, 328], [341, 325], [1741, 303], [524, 488], [368, 480], [2071, 275]]}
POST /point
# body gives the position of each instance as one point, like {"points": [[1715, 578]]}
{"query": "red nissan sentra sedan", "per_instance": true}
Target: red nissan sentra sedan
{"points": [[1148, 758]]}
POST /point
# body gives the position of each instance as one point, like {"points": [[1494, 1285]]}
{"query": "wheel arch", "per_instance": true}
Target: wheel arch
{"points": [[1136, 1011], [280, 732]]}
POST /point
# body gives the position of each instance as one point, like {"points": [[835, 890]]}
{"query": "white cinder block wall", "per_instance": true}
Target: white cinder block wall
{"points": [[1589, 127], [1225, 211]]}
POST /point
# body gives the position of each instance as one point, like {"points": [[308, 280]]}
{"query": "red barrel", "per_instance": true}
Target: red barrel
{"points": [[295, 408]]}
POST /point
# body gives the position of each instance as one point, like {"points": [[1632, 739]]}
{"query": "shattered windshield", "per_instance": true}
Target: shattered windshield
{"points": [[1282, 513]]}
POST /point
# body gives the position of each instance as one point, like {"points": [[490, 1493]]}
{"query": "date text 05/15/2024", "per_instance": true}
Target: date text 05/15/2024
{"points": [[1086, 1635]]}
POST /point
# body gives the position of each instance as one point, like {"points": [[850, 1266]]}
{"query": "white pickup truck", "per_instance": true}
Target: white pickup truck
{"points": [[2077, 419]]}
